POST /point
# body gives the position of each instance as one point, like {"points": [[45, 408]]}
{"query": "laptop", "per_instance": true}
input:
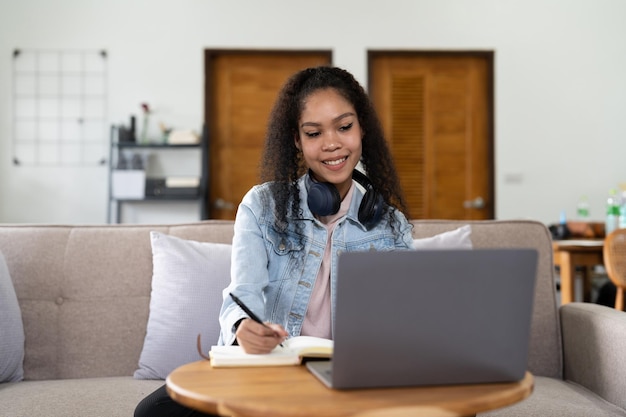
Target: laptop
{"points": [[430, 317]]}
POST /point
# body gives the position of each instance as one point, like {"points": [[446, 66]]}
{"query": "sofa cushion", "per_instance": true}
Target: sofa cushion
{"points": [[187, 282], [454, 239], [557, 398], [93, 397], [11, 329]]}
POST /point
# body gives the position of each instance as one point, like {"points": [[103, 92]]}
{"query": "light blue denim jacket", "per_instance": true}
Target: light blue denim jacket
{"points": [[274, 275]]}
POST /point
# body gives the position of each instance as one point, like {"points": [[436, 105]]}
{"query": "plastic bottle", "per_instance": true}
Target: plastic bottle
{"points": [[622, 211], [612, 212], [582, 208]]}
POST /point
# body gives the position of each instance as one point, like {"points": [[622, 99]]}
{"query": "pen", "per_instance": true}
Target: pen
{"points": [[248, 311]]}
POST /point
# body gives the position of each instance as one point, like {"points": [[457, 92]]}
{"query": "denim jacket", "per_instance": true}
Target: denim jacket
{"points": [[274, 275]]}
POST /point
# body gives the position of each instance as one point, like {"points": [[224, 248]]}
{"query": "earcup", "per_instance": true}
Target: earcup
{"points": [[324, 199], [371, 209]]}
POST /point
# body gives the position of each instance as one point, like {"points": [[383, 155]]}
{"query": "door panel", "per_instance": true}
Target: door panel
{"points": [[241, 87], [437, 113]]}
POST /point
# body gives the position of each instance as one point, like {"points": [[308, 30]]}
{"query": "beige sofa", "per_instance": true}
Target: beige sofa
{"points": [[84, 294]]}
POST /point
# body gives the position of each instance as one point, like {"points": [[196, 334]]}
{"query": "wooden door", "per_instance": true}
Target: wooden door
{"points": [[241, 87], [437, 113]]}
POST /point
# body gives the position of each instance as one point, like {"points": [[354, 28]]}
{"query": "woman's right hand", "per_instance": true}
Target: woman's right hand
{"points": [[257, 338]]}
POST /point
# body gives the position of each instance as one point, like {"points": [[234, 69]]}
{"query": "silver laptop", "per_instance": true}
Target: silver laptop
{"points": [[431, 317]]}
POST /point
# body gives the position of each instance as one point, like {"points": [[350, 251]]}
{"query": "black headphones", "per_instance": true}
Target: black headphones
{"points": [[324, 199]]}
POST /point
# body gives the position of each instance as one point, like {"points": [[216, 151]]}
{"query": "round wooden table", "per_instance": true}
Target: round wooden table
{"points": [[292, 391]]}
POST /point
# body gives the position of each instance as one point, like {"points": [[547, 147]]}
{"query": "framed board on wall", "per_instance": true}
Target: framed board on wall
{"points": [[59, 107]]}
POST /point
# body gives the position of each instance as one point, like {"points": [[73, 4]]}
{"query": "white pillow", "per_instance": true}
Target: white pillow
{"points": [[11, 329], [454, 239], [187, 282]]}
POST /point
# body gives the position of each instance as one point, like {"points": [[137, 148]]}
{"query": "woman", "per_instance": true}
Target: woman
{"points": [[290, 230]]}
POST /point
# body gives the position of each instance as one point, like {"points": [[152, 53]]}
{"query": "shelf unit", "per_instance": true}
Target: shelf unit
{"points": [[116, 148]]}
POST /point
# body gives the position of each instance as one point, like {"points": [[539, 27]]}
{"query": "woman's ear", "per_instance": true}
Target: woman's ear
{"points": [[296, 141]]}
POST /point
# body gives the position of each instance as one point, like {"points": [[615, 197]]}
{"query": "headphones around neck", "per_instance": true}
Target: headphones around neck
{"points": [[324, 199]]}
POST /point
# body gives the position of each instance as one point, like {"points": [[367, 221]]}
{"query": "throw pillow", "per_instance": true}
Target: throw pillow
{"points": [[454, 239], [11, 329], [187, 282]]}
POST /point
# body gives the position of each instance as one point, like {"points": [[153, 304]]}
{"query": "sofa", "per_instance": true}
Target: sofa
{"points": [[89, 297]]}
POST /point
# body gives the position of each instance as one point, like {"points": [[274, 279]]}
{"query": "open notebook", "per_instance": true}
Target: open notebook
{"points": [[292, 352]]}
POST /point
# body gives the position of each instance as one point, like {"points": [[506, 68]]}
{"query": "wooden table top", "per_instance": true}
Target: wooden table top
{"points": [[292, 391], [589, 244]]}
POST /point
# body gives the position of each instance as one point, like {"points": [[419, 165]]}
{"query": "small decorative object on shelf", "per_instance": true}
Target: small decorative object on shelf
{"points": [[127, 134], [183, 137], [165, 131], [146, 118]]}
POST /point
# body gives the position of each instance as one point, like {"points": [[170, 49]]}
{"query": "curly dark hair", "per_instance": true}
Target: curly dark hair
{"points": [[282, 163]]}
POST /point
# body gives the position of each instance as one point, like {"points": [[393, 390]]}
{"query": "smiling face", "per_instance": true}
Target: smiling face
{"points": [[329, 136]]}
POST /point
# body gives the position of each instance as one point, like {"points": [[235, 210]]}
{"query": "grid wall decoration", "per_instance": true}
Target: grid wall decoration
{"points": [[59, 107]]}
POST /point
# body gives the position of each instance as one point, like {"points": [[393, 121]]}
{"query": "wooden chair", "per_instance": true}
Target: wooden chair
{"points": [[615, 263]]}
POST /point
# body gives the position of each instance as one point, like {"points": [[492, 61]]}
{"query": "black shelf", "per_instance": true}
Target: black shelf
{"points": [[115, 150], [150, 198], [135, 145]]}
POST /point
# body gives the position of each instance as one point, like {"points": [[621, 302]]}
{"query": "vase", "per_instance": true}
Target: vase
{"points": [[144, 130]]}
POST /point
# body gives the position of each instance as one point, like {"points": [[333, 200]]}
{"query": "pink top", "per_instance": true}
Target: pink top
{"points": [[318, 321]]}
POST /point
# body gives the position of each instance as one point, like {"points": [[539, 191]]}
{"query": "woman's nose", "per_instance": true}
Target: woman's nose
{"points": [[331, 142]]}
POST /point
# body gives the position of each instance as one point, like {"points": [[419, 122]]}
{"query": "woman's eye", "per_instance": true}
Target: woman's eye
{"points": [[346, 127], [312, 134]]}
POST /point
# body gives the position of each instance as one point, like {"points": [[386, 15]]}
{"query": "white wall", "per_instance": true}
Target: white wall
{"points": [[560, 82]]}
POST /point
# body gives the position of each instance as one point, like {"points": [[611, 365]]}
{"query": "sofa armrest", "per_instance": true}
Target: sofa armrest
{"points": [[594, 349]]}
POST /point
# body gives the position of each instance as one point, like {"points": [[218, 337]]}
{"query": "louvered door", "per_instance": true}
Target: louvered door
{"points": [[437, 113]]}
